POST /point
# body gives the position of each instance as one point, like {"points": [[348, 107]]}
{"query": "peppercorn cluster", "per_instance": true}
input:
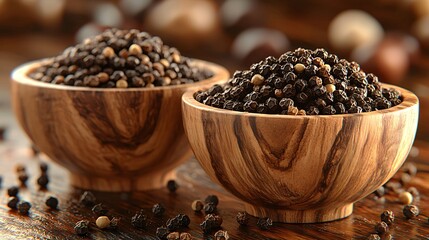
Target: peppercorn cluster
{"points": [[301, 82], [123, 59]]}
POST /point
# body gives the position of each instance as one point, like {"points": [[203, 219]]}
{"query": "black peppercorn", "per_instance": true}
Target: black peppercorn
{"points": [[211, 223], [411, 211], [52, 202], [13, 191], [99, 210], [212, 199], [172, 186], [158, 209], [178, 222], [209, 208], [264, 223], [43, 167], [23, 207], [114, 222], [23, 177], [82, 227], [139, 220], [379, 192], [221, 235], [242, 218], [388, 217], [381, 228], [12, 202], [88, 199], [162, 233], [373, 237], [43, 181]]}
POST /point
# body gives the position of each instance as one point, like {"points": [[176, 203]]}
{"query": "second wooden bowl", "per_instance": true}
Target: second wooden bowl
{"points": [[109, 139], [301, 169]]}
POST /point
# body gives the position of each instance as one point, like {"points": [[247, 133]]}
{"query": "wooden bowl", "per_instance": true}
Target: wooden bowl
{"points": [[109, 139], [300, 169]]}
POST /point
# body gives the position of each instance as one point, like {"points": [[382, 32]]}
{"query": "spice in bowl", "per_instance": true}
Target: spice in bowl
{"points": [[120, 59], [302, 82]]}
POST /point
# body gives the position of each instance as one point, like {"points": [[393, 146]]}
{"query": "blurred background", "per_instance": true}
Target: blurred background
{"points": [[387, 37]]}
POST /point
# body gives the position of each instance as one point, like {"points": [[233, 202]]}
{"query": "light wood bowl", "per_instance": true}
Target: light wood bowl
{"points": [[109, 139], [301, 169]]}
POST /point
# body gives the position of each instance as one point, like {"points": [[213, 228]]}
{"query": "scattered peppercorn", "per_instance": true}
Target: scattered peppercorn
{"points": [[88, 199], [381, 228], [379, 192], [2, 131], [82, 227], [173, 236], [102, 222], [43, 167], [211, 222], [212, 199], [114, 222], [119, 58], [406, 198], [374, 237], [23, 207], [221, 235], [158, 209], [315, 84], [43, 181], [410, 211], [139, 220], [185, 236], [12, 202], [23, 177], [264, 223], [210, 208], [162, 233], [242, 218], [197, 205], [99, 209], [52, 202], [178, 222], [387, 216], [13, 191], [172, 186]]}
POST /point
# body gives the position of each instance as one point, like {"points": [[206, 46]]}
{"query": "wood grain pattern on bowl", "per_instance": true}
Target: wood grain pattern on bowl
{"points": [[301, 168], [110, 139]]}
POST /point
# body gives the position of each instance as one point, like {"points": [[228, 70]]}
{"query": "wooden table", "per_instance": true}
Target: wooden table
{"points": [[43, 223]]}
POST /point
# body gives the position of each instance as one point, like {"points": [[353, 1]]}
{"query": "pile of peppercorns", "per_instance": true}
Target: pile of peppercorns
{"points": [[122, 59], [303, 82]]}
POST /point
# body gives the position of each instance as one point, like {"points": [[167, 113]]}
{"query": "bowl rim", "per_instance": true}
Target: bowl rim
{"points": [[409, 100], [21, 75]]}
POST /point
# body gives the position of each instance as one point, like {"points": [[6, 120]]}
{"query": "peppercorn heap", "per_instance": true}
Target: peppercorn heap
{"points": [[120, 58], [301, 82]]}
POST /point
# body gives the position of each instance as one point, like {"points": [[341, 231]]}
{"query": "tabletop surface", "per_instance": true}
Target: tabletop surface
{"points": [[42, 223]]}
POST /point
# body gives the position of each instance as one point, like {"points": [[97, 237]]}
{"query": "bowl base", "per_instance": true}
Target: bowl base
{"points": [[304, 216], [123, 183]]}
